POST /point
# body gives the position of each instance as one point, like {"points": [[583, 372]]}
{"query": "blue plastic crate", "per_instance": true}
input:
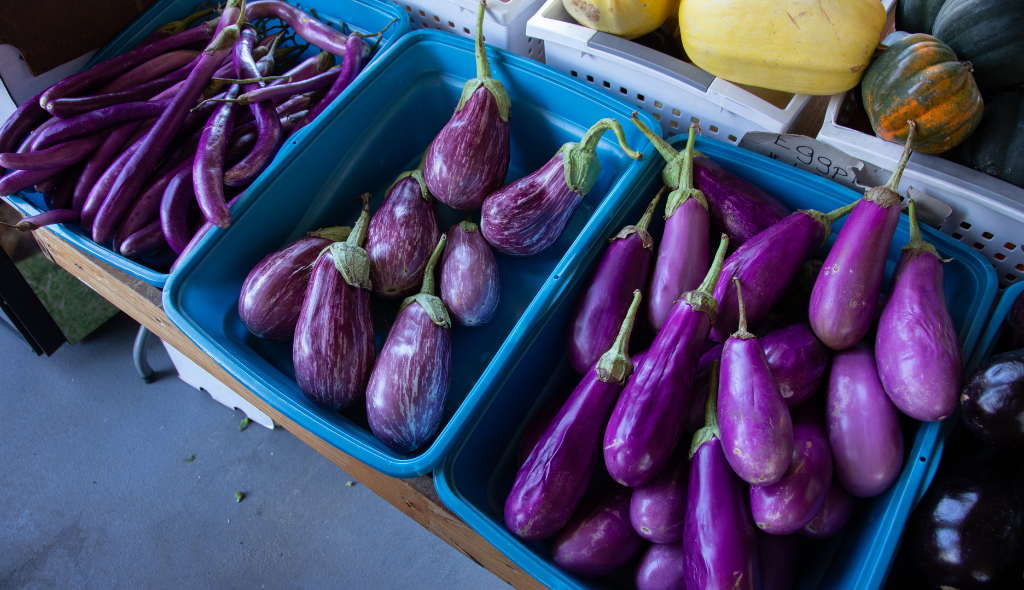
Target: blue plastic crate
{"points": [[478, 474], [365, 16], [392, 117], [994, 329]]}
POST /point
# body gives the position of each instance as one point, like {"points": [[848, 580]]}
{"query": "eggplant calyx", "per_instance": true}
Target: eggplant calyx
{"points": [[229, 35], [614, 366], [710, 429], [741, 333], [416, 175], [483, 74], [821, 218], [352, 262], [641, 227], [678, 174], [179, 26], [335, 234], [888, 195], [431, 303], [580, 161], [703, 301], [917, 246], [324, 62], [668, 153], [468, 226]]}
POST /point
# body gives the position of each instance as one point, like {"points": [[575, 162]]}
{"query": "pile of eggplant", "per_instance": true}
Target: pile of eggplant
{"points": [[147, 150], [318, 291], [764, 407]]}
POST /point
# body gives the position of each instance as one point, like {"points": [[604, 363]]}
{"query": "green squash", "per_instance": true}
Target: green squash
{"points": [[987, 33], [997, 146], [917, 16]]}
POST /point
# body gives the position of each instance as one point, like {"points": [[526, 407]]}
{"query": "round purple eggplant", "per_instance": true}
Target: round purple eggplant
{"points": [[469, 276], [410, 381], [862, 424], [788, 505], [756, 430], [662, 567], [599, 539], [401, 235], [599, 310], [798, 361], [272, 294], [719, 538], [550, 485], [528, 215], [846, 293], [916, 346], [993, 400], [538, 425], [469, 158], [658, 507], [833, 516], [333, 351], [780, 555], [683, 254], [647, 422]]}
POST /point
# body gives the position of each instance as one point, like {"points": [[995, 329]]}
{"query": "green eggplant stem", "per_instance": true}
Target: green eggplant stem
{"points": [[428, 274], [483, 68], [710, 429], [358, 235], [711, 280], [894, 180], [483, 74], [179, 26], [615, 365], [667, 152], [580, 162], [646, 219], [917, 243], [686, 176], [741, 332], [593, 136], [841, 212]]}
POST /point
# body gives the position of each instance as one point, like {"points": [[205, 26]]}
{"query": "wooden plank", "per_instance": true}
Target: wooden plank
{"points": [[417, 498]]}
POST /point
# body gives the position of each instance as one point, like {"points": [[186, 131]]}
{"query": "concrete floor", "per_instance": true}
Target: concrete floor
{"points": [[94, 492]]}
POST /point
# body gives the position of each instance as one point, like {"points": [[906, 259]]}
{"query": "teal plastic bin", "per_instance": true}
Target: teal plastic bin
{"points": [[478, 474]]}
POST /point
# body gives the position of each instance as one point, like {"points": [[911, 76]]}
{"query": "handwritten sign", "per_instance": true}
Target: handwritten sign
{"points": [[807, 154]]}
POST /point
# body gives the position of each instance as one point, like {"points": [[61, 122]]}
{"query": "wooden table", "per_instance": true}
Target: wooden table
{"points": [[415, 497]]}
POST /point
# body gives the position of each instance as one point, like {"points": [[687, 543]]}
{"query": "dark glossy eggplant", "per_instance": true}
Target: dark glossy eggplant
{"points": [[410, 380], [834, 515], [756, 429], [780, 555], [272, 293], [788, 505], [401, 236], [719, 538], [916, 347], [469, 275], [538, 425], [1013, 331], [862, 424], [602, 304], [798, 361], [550, 485], [599, 539], [662, 567], [658, 507], [527, 216], [333, 351], [846, 293], [468, 159], [647, 422], [993, 400]]}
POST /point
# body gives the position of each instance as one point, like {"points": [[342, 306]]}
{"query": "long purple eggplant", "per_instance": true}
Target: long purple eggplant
{"points": [[737, 207], [756, 429], [145, 241], [24, 119], [599, 539], [46, 218], [208, 164], [658, 507], [647, 422], [797, 360], [469, 276], [99, 120], [468, 160], [306, 26], [349, 71], [599, 310], [846, 293], [663, 566], [683, 254], [147, 206], [834, 514], [916, 347], [789, 504], [699, 395], [268, 123], [402, 235], [528, 215], [287, 89], [58, 156], [333, 352], [780, 555], [19, 180], [862, 424], [272, 294], [719, 540], [538, 425], [62, 196], [164, 63], [550, 485], [310, 67], [410, 381], [178, 196], [98, 162], [66, 108]]}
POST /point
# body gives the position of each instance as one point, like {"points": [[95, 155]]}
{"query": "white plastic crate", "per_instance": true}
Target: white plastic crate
{"points": [[504, 21], [988, 214], [674, 91]]}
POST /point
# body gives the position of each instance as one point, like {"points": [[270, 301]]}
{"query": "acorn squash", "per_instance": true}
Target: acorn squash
{"points": [[997, 146], [919, 79], [628, 19], [987, 33], [917, 16], [800, 46]]}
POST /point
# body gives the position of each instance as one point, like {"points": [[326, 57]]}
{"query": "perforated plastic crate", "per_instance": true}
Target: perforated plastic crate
{"points": [[504, 23]]}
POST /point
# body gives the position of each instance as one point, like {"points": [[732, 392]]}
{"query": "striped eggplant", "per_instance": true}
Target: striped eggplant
{"points": [[683, 256], [658, 507], [863, 425], [780, 555], [916, 347], [719, 539], [648, 420], [401, 236], [550, 485], [756, 429], [662, 567], [469, 275], [333, 351], [797, 360], [528, 215], [599, 310], [599, 539], [846, 293], [272, 293], [410, 381], [469, 158], [834, 514]]}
